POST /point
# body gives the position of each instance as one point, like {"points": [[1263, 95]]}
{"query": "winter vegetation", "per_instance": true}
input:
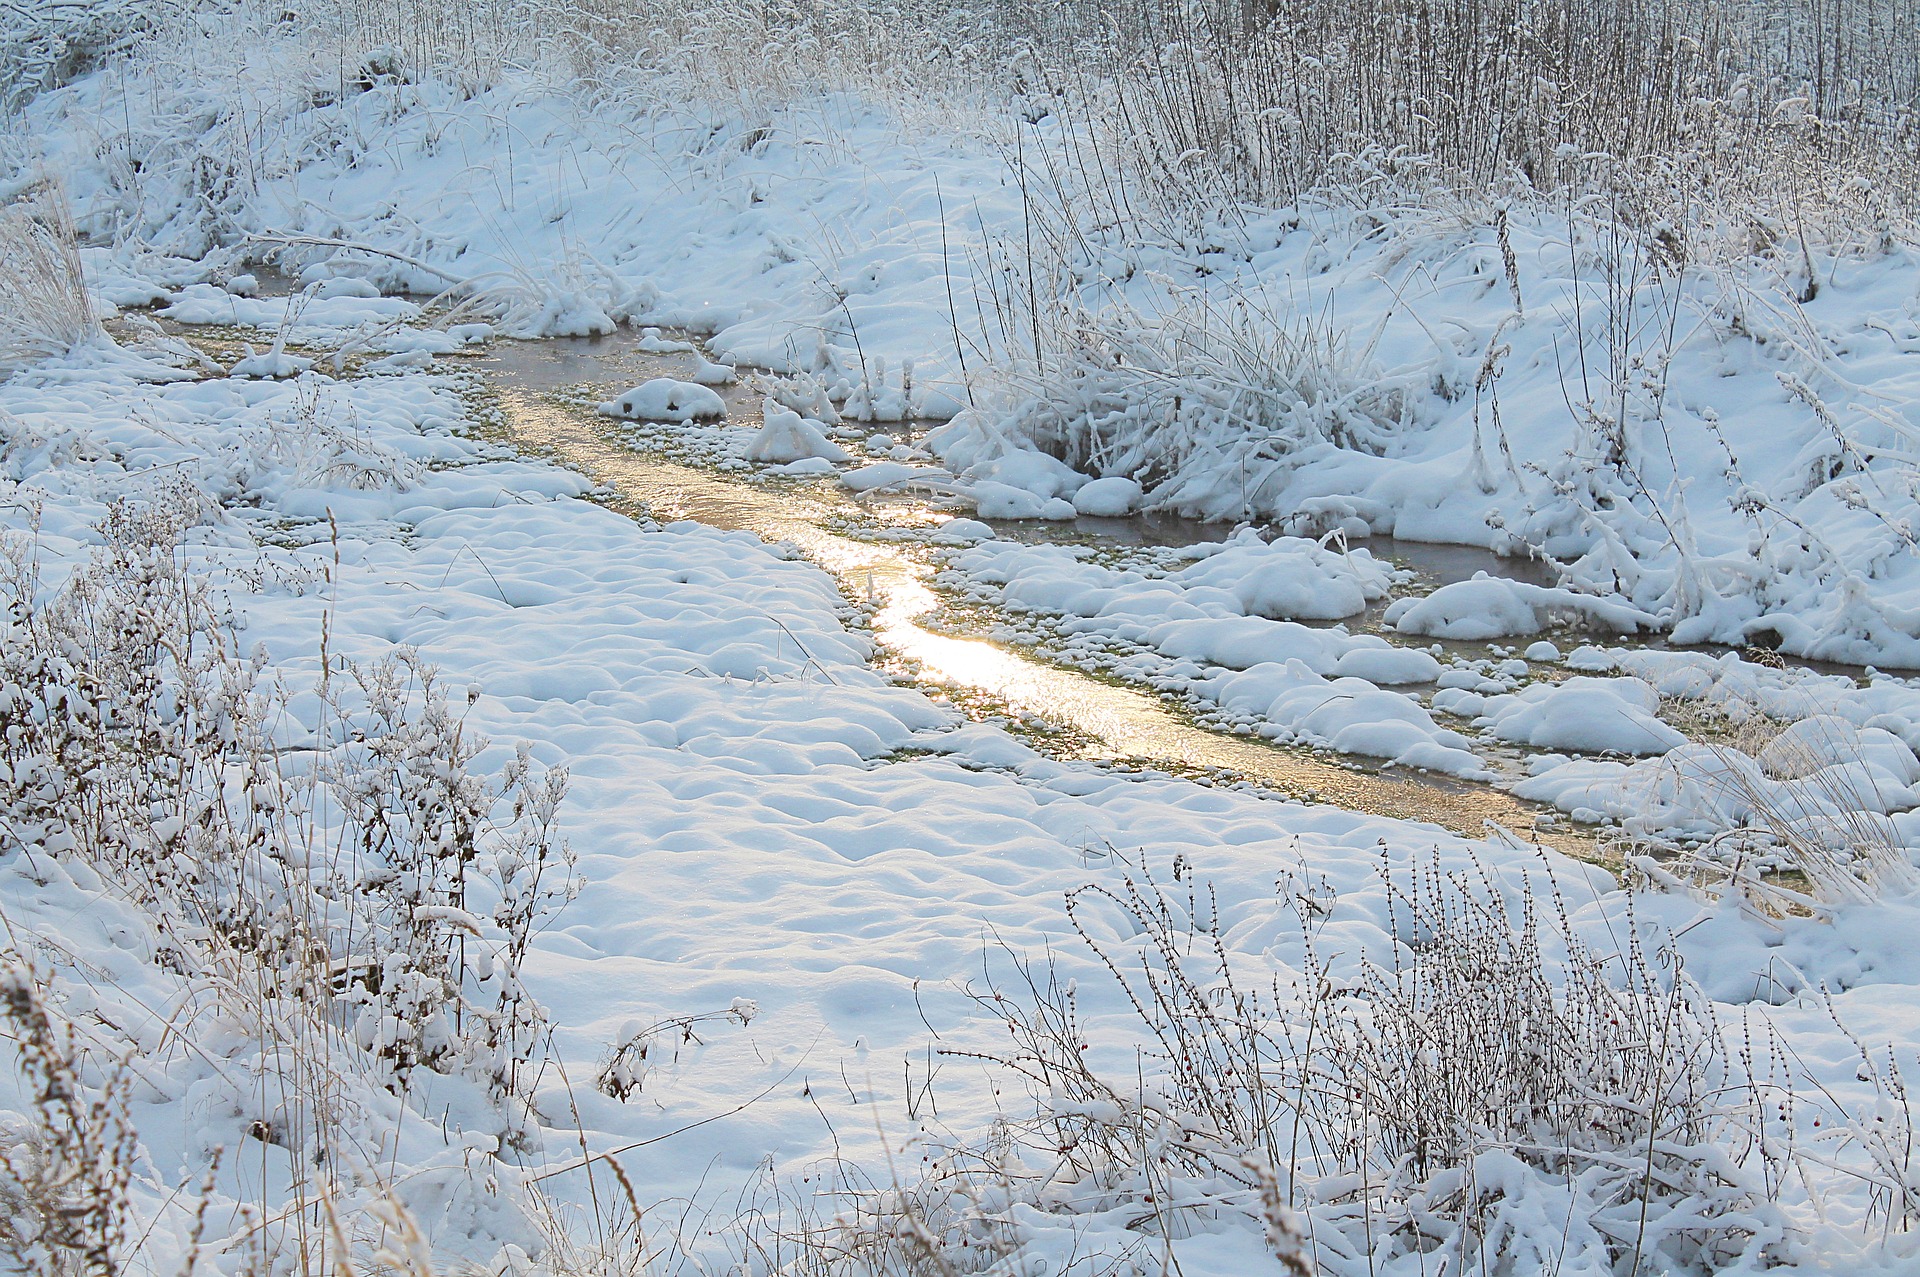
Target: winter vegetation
{"points": [[415, 858]]}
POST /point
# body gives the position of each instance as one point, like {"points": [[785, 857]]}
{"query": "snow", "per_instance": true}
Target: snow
{"points": [[1034, 472], [1198, 630], [654, 344], [1284, 579], [1349, 715], [1113, 497], [1591, 715], [664, 399], [1489, 607], [787, 437], [711, 374], [1288, 578], [315, 313], [890, 474], [763, 816], [995, 500], [268, 363], [962, 532], [1698, 791], [881, 310]]}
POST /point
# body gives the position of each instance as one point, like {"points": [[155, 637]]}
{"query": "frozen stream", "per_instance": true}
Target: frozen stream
{"points": [[1119, 722]]}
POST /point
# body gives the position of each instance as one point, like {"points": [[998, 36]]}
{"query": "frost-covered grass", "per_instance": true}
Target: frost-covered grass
{"points": [[45, 310], [1656, 330]]}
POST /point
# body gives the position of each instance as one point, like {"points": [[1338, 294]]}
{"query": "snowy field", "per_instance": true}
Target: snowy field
{"points": [[415, 860]]}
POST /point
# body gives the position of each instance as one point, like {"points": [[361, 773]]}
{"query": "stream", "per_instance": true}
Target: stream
{"points": [[537, 383]]}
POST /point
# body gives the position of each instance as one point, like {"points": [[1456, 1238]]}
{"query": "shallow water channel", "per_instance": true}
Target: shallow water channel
{"points": [[1110, 721]]}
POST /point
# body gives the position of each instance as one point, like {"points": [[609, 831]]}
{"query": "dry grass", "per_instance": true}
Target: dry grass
{"points": [[1758, 104], [64, 1209], [44, 308], [1805, 831]]}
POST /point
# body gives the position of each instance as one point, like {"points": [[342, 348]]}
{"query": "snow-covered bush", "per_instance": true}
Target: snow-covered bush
{"points": [[47, 43], [417, 829]]}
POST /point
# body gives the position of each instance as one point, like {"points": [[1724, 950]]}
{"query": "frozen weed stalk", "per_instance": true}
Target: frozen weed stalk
{"points": [[64, 1166]]}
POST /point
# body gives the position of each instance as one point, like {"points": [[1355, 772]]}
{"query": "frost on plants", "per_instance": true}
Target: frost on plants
{"points": [[443, 830], [45, 310]]}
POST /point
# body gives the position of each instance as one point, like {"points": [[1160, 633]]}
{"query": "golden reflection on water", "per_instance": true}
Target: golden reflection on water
{"points": [[1124, 723]]}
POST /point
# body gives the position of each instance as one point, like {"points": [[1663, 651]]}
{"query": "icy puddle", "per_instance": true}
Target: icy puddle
{"points": [[1122, 723]]}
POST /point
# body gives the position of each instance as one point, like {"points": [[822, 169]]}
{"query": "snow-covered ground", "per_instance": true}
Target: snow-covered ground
{"points": [[818, 861], [1699, 443], [808, 902]]}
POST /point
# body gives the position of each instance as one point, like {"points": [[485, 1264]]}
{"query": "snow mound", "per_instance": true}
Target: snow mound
{"points": [[1488, 607], [664, 399], [1592, 715], [788, 437], [712, 374], [995, 500], [269, 364], [1034, 472], [1290, 577], [805, 467], [1386, 664], [890, 474], [962, 532], [652, 343], [1108, 498], [1346, 714], [344, 286]]}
